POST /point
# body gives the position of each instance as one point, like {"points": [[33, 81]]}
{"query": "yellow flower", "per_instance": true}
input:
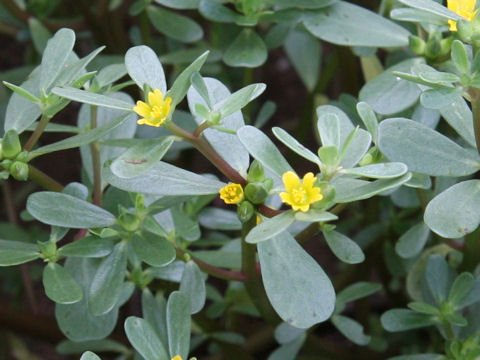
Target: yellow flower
{"points": [[300, 195], [464, 8], [155, 111], [231, 193], [177, 357]]}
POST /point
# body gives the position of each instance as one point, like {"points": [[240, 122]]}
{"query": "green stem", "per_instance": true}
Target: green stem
{"points": [[247, 80], [254, 283], [37, 133], [206, 149], [96, 162], [43, 179], [213, 270]]}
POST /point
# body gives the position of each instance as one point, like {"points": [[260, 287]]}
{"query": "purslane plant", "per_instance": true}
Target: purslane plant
{"points": [[147, 217]]}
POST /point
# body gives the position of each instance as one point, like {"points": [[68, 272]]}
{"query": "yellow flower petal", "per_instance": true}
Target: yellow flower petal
{"points": [[177, 357], [142, 109], [290, 180], [155, 98]]}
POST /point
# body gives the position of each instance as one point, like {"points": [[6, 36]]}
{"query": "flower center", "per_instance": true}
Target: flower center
{"points": [[300, 196], [157, 111]]}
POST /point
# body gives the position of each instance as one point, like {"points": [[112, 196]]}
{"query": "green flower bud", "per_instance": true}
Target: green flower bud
{"points": [[129, 222], [215, 118], [22, 157], [256, 192], [19, 171], [366, 160], [245, 211], [48, 249], [268, 183], [433, 47], [446, 46], [11, 146], [6, 164], [256, 172], [417, 44], [465, 30]]}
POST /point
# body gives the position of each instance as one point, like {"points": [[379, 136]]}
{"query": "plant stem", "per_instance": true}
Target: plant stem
{"points": [[198, 131], [206, 149], [43, 179], [96, 162], [254, 283], [213, 270], [37, 133]]}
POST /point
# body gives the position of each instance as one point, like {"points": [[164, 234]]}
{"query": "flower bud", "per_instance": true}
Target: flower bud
{"points": [[245, 211], [417, 44], [433, 46], [23, 157], [256, 192], [256, 172], [465, 30], [48, 249], [6, 164], [11, 146], [19, 170], [129, 222], [268, 183]]}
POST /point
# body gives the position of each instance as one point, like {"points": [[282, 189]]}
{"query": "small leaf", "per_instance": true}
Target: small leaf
{"points": [[403, 319], [89, 247], [106, 284], [437, 274], [348, 190], [173, 25], [369, 119], [165, 179], [455, 212], [89, 356], [55, 55], [294, 145], [461, 287], [303, 295], [180, 87], [357, 291], [351, 329], [313, 215], [378, 171], [248, 50], [433, 7], [144, 340], [153, 249], [263, 149], [154, 310], [271, 227], [60, 286], [17, 252], [144, 67], [92, 98], [460, 57], [80, 139], [344, 248], [348, 24], [141, 157], [411, 243], [424, 150], [68, 211], [178, 324], [193, 286]]}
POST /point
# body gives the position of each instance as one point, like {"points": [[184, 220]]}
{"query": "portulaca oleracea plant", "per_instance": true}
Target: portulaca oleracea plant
{"points": [[278, 244]]}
